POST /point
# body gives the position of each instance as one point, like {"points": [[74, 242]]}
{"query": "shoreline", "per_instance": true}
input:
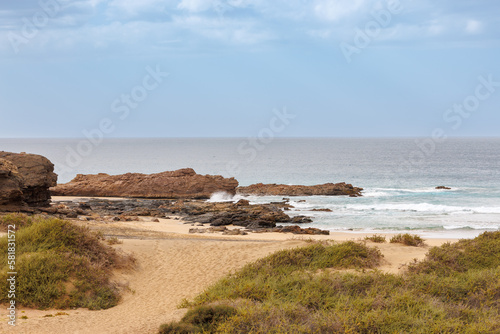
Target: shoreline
{"points": [[433, 234]]}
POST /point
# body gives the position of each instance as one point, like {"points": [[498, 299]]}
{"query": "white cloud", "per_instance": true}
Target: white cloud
{"points": [[473, 27], [196, 5], [135, 7], [137, 25], [334, 10], [227, 30], [94, 3]]}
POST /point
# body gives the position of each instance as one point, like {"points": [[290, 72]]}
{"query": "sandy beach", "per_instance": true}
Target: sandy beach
{"points": [[172, 265]]}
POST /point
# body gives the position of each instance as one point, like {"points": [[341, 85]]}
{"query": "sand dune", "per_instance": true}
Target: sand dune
{"points": [[173, 265]]}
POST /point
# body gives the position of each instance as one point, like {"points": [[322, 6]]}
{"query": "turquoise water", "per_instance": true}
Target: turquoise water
{"points": [[398, 175]]}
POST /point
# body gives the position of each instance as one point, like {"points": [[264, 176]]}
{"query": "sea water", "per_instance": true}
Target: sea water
{"points": [[399, 176]]}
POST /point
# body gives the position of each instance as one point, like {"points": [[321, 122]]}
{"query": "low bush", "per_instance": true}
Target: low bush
{"points": [[376, 238], [179, 328], [408, 240], [482, 252], [59, 265], [114, 241], [200, 319], [18, 220]]}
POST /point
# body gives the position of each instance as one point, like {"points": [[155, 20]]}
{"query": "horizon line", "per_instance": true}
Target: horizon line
{"points": [[245, 137]]}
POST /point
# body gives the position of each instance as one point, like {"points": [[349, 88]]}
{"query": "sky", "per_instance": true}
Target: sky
{"points": [[238, 68]]}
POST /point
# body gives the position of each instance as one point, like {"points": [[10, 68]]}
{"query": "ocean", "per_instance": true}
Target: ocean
{"points": [[398, 175]]}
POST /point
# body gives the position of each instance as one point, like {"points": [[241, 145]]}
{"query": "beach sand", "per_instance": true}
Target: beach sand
{"points": [[172, 265]]}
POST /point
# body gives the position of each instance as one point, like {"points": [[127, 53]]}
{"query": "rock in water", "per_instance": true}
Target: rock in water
{"points": [[11, 184], [37, 174], [182, 183], [327, 189]]}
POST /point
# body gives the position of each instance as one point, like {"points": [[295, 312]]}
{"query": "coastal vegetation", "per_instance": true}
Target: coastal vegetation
{"points": [[58, 264], [380, 239], [408, 240], [335, 288]]}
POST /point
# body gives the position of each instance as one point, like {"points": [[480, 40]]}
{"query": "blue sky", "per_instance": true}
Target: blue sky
{"points": [[356, 68]]}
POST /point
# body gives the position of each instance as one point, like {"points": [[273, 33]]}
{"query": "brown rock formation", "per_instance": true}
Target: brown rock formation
{"points": [[182, 183], [37, 173], [322, 210], [327, 189], [443, 188], [11, 184], [194, 212]]}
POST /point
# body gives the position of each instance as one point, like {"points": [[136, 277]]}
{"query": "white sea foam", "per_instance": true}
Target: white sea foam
{"points": [[394, 191], [377, 193], [422, 207], [223, 196], [301, 205], [472, 227]]}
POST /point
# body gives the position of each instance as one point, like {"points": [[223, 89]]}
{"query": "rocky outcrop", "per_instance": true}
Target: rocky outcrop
{"points": [[279, 229], [327, 189], [322, 210], [182, 183], [37, 174], [11, 185], [252, 217], [198, 213], [443, 188]]}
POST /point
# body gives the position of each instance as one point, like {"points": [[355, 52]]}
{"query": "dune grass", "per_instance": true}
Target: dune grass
{"points": [[408, 240], [456, 289], [201, 319], [380, 239], [20, 220], [59, 265]]}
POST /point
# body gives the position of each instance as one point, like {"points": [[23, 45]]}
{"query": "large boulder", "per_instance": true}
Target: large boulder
{"points": [[11, 184], [182, 183], [327, 189], [37, 173]]}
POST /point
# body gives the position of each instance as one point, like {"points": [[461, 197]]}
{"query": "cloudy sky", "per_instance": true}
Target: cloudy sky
{"points": [[226, 68]]}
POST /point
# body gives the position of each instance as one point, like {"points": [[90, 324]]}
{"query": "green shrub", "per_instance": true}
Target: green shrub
{"points": [[376, 238], [114, 241], [408, 240], [19, 220], [60, 236], [200, 319], [482, 252], [60, 265], [348, 254], [206, 317], [179, 328]]}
